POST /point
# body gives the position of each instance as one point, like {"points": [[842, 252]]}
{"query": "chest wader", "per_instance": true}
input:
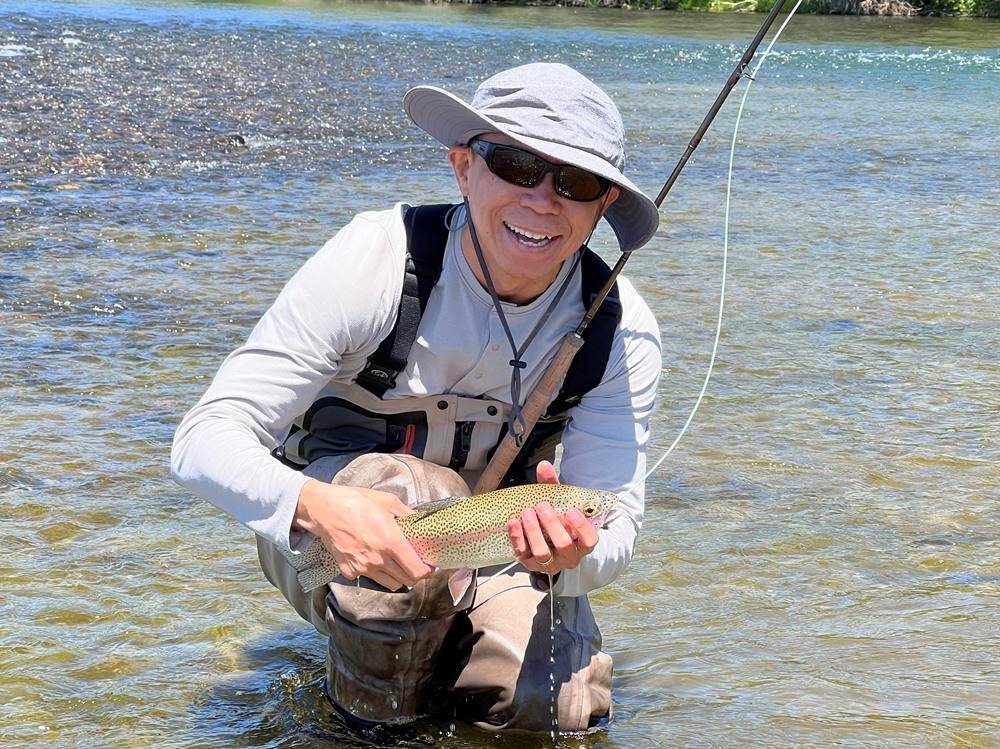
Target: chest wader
{"points": [[384, 661]]}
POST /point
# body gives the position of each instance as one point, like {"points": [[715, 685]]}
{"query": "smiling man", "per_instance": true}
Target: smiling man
{"points": [[385, 374]]}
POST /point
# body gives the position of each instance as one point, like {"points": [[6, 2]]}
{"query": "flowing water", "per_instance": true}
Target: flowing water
{"points": [[820, 564]]}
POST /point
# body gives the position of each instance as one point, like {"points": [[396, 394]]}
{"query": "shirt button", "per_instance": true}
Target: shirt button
{"points": [[495, 347]]}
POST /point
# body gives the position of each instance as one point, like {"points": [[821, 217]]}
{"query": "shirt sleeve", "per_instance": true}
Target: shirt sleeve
{"points": [[604, 444], [319, 328]]}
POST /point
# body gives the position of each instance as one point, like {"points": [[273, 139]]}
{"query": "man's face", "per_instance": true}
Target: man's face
{"points": [[525, 232]]}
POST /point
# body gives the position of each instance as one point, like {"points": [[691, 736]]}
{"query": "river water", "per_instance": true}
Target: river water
{"points": [[820, 566]]}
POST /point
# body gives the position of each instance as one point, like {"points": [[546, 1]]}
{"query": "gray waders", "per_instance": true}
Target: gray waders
{"points": [[394, 657]]}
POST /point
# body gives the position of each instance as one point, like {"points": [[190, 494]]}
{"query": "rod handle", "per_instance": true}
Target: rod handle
{"points": [[533, 408]]}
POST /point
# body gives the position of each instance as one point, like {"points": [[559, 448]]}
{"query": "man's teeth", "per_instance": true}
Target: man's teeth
{"points": [[530, 236]]}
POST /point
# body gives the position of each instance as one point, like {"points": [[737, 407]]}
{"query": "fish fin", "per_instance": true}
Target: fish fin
{"points": [[482, 581], [314, 567], [314, 577], [459, 582], [609, 517], [426, 509]]}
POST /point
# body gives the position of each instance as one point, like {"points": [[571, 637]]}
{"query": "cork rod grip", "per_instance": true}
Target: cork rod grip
{"points": [[537, 402]]}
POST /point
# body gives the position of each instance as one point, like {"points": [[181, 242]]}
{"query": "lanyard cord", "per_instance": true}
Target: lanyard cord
{"points": [[515, 422]]}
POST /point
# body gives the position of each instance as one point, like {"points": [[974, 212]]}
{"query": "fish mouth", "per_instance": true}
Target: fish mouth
{"points": [[607, 517]]}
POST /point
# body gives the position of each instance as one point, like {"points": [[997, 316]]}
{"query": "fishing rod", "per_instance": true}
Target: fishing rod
{"points": [[541, 396]]}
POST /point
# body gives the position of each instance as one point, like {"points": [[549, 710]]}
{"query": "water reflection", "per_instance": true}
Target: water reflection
{"points": [[818, 566]]}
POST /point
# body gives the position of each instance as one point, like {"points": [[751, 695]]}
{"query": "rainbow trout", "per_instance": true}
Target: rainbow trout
{"points": [[464, 533]]}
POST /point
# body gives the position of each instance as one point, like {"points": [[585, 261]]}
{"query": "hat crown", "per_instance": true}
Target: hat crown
{"points": [[552, 102]]}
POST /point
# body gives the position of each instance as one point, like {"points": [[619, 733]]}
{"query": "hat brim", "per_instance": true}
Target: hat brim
{"points": [[449, 120]]}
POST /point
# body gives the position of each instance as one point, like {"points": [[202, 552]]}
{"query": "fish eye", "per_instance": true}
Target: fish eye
{"points": [[588, 511]]}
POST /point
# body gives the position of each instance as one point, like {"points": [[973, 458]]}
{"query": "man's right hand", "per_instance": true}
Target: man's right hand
{"points": [[358, 527]]}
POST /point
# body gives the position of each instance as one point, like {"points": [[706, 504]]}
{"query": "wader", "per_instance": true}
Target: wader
{"points": [[493, 659]]}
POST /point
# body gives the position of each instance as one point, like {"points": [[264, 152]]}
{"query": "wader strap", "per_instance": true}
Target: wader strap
{"points": [[587, 368], [426, 239]]}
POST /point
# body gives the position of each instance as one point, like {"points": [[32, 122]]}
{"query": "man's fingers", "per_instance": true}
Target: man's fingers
{"points": [[538, 544], [408, 572], [544, 541], [581, 530], [517, 540], [546, 473], [388, 580], [552, 527], [387, 569]]}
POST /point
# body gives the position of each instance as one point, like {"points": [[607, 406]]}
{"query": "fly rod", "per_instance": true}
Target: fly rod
{"points": [[541, 396]]}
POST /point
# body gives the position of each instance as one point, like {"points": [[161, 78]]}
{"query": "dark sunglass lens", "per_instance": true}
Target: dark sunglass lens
{"points": [[524, 169], [517, 167], [578, 184]]}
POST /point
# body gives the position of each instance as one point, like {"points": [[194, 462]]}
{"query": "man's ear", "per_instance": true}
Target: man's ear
{"points": [[612, 195], [461, 161]]}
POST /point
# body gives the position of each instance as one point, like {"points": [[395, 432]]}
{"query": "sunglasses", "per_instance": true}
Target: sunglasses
{"points": [[524, 169]]}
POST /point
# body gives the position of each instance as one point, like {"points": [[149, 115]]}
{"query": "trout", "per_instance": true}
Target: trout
{"points": [[464, 533]]}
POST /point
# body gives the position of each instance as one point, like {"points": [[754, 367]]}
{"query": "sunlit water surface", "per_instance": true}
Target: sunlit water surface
{"points": [[820, 564]]}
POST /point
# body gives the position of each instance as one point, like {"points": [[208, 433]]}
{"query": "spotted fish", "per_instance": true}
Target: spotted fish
{"points": [[464, 533]]}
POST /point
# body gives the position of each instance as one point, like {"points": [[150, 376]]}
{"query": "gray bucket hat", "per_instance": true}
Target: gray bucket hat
{"points": [[551, 109]]}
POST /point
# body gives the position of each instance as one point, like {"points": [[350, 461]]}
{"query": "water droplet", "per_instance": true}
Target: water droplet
{"points": [[552, 659]]}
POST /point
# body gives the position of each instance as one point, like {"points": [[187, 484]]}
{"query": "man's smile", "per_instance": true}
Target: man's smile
{"points": [[528, 237]]}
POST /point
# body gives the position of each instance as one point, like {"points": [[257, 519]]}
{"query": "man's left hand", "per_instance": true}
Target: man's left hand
{"points": [[547, 542]]}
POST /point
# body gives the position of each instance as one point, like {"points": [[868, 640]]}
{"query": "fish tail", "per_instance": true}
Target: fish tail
{"points": [[315, 577]]}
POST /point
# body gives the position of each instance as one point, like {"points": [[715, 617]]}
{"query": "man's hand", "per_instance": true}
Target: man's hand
{"points": [[358, 526], [540, 535]]}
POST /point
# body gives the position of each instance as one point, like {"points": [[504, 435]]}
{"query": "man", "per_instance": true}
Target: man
{"points": [[538, 159]]}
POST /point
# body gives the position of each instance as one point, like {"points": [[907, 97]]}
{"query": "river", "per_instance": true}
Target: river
{"points": [[820, 564]]}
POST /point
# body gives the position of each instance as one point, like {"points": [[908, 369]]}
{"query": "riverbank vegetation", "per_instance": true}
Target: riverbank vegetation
{"points": [[845, 7], [984, 8]]}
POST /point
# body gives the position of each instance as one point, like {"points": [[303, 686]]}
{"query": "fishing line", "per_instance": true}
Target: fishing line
{"points": [[751, 77]]}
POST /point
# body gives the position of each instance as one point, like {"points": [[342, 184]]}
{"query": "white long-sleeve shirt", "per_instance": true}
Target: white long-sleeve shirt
{"points": [[330, 318]]}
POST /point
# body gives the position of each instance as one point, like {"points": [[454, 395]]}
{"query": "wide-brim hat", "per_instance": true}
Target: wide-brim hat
{"points": [[550, 109]]}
